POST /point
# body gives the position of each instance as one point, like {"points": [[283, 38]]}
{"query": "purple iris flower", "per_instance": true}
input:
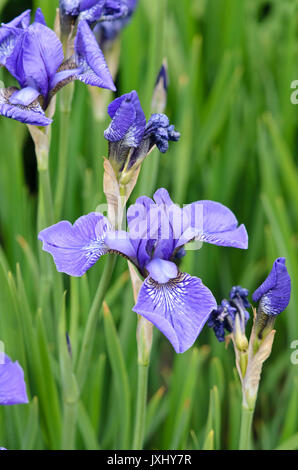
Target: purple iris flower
{"points": [[130, 136], [37, 62], [94, 10], [175, 302], [223, 317], [275, 292], [107, 30], [12, 384]]}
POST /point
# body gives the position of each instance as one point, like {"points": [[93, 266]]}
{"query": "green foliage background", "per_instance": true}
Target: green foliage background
{"points": [[231, 64]]}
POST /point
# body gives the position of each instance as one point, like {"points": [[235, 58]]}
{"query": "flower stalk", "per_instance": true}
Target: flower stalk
{"points": [[246, 427], [66, 97]]}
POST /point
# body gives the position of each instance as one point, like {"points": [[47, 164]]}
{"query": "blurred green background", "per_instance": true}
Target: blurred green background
{"points": [[231, 64]]}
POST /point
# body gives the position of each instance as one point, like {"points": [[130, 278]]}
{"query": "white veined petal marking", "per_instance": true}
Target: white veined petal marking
{"points": [[95, 249], [170, 295], [7, 45]]}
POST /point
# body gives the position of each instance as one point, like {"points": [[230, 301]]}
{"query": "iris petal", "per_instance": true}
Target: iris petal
{"points": [[216, 224], [37, 55], [275, 292], [128, 120], [31, 114], [12, 384], [10, 32], [90, 59], [75, 248], [162, 271], [120, 242], [179, 308]]}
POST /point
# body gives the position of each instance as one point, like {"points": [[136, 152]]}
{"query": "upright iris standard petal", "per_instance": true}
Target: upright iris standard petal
{"points": [[275, 292], [9, 34], [178, 308], [37, 55], [75, 248], [90, 59], [12, 384], [39, 17], [216, 224]]}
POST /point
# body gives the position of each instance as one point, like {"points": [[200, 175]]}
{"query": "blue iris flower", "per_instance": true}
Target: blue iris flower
{"points": [[33, 55]]}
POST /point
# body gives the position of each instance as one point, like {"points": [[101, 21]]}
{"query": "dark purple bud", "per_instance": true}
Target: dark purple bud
{"points": [[275, 292]]}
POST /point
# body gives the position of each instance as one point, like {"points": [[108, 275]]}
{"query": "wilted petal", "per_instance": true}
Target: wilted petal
{"points": [[275, 292], [103, 10], [179, 308], [216, 224], [12, 384], [93, 14], [160, 132], [90, 59], [75, 248], [113, 22], [31, 114]]}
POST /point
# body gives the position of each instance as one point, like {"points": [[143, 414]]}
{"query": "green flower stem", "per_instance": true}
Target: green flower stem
{"points": [[66, 96], [139, 430], [89, 335], [45, 201], [149, 172], [246, 427], [62, 162], [144, 340]]}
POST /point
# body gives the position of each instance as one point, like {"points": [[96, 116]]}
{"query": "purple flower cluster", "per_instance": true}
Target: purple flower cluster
{"points": [[106, 17], [130, 137], [222, 318], [273, 297], [175, 302], [33, 55]]}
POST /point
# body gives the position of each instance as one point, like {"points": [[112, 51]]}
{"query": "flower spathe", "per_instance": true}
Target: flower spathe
{"points": [[36, 61], [12, 384], [175, 302], [274, 293]]}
